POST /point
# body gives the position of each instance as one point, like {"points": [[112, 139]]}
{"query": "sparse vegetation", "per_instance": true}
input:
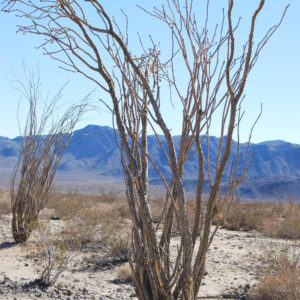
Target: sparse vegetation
{"points": [[216, 74], [215, 64], [45, 138], [92, 223], [87, 232], [5, 205], [280, 278], [124, 273], [52, 256], [278, 220]]}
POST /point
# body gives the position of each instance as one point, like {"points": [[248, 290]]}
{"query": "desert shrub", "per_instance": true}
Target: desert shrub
{"points": [[286, 224], [289, 228], [109, 193], [94, 223], [114, 241], [281, 277], [51, 257], [69, 205], [81, 218], [82, 232], [124, 273], [243, 217], [157, 205], [277, 220], [115, 236], [5, 206]]}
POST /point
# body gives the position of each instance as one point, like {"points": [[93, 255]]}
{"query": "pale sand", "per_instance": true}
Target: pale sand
{"points": [[232, 263]]}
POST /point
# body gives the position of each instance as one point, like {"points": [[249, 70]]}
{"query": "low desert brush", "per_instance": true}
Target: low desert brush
{"points": [[52, 257], [243, 216], [124, 273], [109, 193], [5, 206], [115, 237], [280, 279], [277, 220], [287, 224], [98, 224]]}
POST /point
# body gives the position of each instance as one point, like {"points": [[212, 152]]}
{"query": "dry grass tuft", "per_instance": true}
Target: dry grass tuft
{"points": [[124, 273], [115, 236], [52, 256], [5, 205], [281, 278], [278, 220], [286, 224], [97, 224]]}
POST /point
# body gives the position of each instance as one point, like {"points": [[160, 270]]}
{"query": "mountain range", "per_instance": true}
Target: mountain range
{"points": [[93, 153]]}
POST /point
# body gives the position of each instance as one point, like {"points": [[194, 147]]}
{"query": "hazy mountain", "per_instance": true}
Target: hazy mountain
{"points": [[275, 165]]}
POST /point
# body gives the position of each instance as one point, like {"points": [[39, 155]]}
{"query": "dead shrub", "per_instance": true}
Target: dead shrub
{"points": [[52, 257], [81, 216], [82, 232], [285, 225], [45, 136], [289, 228], [109, 193], [124, 273], [69, 205], [278, 220], [240, 217], [5, 205], [281, 279], [115, 236], [94, 223]]}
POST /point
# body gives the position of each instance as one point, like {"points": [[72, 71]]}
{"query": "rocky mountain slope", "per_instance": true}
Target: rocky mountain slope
{"points": [[275, 167]]}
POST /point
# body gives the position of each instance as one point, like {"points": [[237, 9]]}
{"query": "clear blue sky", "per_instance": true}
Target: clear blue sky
{"points": [[275, 81]]}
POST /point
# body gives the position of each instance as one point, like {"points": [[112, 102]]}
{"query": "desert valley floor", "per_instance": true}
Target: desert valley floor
{"points": [[233, 264]]}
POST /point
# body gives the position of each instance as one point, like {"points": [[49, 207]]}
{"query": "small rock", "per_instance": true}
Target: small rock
{"points": [[55, 217], [6, 279], [8, 285]]}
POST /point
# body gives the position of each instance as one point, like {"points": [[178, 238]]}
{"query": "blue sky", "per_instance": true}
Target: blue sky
{"points": [[275, 81]]}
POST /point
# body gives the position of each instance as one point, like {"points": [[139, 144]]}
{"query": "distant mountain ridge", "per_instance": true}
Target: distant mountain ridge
{"points": [[275, 168]]}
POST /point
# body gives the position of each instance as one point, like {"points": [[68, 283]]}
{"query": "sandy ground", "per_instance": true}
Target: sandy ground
{"points": [[232, 265]]}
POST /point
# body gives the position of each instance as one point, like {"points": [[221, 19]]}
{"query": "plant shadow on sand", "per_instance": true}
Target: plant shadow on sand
{"points": [[6, 245]]}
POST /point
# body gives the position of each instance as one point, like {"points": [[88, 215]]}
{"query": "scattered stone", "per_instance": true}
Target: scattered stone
{"points": [[69, 292], [38, 294]]}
